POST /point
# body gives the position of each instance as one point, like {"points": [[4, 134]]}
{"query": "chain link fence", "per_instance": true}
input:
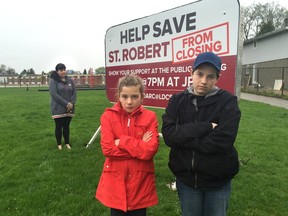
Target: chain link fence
{"points": [[266, 80]]}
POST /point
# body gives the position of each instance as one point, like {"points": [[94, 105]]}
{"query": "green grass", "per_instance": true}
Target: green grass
{"points": [[37, 179]]}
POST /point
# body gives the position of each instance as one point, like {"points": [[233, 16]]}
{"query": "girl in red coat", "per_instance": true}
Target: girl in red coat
{"points": [[129, 141]]}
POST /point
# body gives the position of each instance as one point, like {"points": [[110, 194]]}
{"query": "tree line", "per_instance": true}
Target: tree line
{"points": [[4, 70]]}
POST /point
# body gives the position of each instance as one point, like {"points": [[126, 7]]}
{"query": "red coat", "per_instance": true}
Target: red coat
{"points": [[128, 180]]}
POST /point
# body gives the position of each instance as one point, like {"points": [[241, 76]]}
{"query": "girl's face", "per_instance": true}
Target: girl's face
{"points": [[130, 98]]}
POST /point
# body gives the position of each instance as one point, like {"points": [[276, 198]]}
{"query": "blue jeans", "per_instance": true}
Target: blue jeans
{"points": [[197, 202]]}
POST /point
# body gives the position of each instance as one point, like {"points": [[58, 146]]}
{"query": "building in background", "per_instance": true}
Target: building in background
{"points": [[265, 60]]}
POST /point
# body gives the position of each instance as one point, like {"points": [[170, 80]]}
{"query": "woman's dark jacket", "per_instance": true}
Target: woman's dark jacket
{"points": [[62, 92], [200, 156]]}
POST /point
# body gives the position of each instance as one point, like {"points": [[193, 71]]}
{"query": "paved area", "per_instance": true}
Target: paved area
{"points": [[268, 100]]}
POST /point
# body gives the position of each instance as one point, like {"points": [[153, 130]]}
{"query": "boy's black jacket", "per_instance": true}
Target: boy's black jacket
{"points": [[200, 156]]}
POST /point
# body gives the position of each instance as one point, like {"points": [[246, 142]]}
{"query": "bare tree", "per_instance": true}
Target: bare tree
{"points": [[262, 18], [7, 71], [2, 69], [11, 71]]}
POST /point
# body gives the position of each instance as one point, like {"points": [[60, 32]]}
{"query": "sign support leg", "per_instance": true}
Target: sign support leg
{"points": [[94, 137]]}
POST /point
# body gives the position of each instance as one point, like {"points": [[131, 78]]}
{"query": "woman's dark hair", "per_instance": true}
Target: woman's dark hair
{"points": [[60, 66]]}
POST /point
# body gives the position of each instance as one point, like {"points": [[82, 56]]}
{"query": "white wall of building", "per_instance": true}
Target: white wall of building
{"points": [[274, 46]]}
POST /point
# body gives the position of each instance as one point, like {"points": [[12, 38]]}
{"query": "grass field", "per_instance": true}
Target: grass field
{"points": [[37, 179]]}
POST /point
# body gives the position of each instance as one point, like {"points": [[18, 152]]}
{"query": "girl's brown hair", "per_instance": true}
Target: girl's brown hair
{"points": [[130, 80]]}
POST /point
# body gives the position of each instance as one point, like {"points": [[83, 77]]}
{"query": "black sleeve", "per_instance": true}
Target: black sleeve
{"points": [[181, 135], [222, 138]]}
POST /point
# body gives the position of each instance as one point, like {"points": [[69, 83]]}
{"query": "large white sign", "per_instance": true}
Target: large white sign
{"points": [[161, 48]]}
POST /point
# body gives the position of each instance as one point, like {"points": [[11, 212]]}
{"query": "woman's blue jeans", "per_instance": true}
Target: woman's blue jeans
{"points": [[197, 202]]}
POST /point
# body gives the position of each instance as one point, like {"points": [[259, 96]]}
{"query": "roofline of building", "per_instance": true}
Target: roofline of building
{"points": [[266, 35]]}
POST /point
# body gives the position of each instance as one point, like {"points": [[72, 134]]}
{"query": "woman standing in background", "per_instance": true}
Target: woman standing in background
{"points": [[62, 104]]}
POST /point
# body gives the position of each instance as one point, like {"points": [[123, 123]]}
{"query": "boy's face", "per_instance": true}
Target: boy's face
{"points": [[204, 79]]}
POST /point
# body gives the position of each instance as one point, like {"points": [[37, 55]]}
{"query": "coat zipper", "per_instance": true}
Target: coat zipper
{"points": [[193, 164], [128, 123], [193, 159]]}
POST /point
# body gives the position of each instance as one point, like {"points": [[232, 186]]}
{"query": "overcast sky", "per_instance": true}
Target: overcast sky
{"points": [[39, 34]]}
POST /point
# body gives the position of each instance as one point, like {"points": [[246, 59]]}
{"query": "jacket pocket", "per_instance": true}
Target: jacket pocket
{"points": [[180, 160], [220, 166], [140, 129]]}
